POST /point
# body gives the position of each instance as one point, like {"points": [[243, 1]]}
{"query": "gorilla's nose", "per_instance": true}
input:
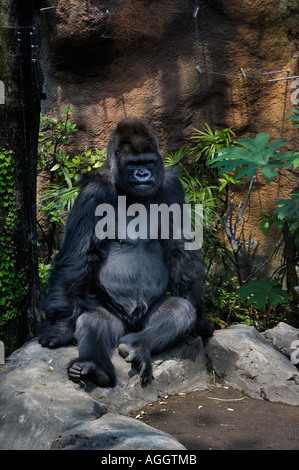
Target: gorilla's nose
{"points": [[142, 175]]}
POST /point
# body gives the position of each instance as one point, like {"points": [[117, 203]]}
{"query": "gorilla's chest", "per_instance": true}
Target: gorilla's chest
{"points": [[134, 273]]}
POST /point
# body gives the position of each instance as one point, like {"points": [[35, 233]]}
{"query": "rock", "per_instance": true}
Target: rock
{"points": [[42, 409], [242, 358], [38, 402], [2, 353], [177, 370], [115, 432], [140, 60], [283, 336]]}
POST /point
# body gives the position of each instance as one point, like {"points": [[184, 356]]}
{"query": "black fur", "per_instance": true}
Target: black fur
{"points": [[104, 293]]}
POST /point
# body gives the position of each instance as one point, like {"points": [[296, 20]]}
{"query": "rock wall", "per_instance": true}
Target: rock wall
{"points": [[140, 59], [111, 60]]}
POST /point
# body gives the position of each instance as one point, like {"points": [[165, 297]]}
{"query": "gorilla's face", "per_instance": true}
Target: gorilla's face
{"points": [[134, 160], [139, 175]]}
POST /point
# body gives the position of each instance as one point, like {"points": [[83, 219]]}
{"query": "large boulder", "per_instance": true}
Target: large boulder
{"points": [[286, 338], [42, 409], [115, 432], [242, 358], [38, 402]]}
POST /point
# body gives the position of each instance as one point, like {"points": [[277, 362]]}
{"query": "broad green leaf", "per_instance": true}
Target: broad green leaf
{"points": [[266, 225], [67, 177], [250, 154], [296, 163], [288, 208], [260, 290], [55, 167], [294, 117]]}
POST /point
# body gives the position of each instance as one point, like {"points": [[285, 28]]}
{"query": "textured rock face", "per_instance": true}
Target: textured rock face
{"points": [[140, 59], [286, 339], [244, 359], [115, 432]]}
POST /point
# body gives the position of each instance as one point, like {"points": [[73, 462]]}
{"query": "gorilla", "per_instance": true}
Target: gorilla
{"points": [[141, 294]]}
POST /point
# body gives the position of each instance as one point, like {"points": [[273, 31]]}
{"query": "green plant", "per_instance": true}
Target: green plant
{"points": [[61, 195], [259, 292], [225, 308], [222, 303], [209, 142], [61, 170], [12, 281], [252, 154], [202, 186], [287, 211], [294, 117], [245, 158]]}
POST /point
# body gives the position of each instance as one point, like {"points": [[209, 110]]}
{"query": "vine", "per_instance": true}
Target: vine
{"points": [[12, 281]]}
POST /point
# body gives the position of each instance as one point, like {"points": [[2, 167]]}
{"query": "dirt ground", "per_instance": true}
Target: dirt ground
{"points": [[224, 419]]}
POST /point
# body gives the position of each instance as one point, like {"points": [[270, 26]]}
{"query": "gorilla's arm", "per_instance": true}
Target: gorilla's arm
{"points": [[185, 267], [185, 273], [71, 273]]}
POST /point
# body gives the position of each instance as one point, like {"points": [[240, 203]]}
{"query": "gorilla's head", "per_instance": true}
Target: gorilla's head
{"points": [[134, 160]]}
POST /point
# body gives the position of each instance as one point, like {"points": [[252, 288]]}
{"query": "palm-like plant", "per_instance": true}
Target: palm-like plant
{"points": [[209, 142], [202, 185]]}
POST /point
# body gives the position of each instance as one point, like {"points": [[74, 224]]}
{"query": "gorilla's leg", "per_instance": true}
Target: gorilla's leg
{"points": [[97, 333], [168, 321]]}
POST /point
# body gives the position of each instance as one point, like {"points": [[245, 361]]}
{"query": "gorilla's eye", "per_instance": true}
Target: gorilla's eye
{"points": [[150, 165]]}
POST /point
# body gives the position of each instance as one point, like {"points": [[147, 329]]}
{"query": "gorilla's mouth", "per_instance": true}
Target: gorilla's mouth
{"points": [[143, 183]]}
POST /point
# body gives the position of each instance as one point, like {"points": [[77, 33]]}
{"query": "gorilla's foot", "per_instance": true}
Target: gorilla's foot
{"points": [[140, 358], [124, 350], [89, 370]]}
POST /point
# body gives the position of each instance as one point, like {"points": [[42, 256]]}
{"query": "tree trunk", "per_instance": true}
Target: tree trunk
{"points": [[19, 125]]}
